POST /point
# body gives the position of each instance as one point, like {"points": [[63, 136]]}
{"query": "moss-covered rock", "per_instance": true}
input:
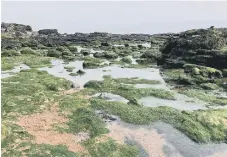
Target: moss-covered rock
{"points": [[99, 55], [73, 49], [54, 53], [85, 52], [80, 72], [126, 60], [87, 64], [224, 72], [209, 86], [10, 53], [61, 48], [69, 57], [202, 70], [195, 71], [200, 46], [124, 52], [110, 55], [28, 50], [93, 84], [145, 61], [107, 55], [67, 53], [185, 80], [105, 44]]}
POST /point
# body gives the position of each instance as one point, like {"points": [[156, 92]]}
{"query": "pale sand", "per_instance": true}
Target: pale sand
{"points": [[40, 125], [150, 140]]}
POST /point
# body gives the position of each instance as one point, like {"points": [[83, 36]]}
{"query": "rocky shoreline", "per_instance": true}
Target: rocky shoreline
{"points": [[93, 83]]}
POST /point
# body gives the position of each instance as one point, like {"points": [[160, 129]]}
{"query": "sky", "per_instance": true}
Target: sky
{"points": [[117, 16]]}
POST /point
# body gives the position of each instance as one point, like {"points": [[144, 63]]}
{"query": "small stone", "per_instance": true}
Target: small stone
{"points": [[80, 72]]}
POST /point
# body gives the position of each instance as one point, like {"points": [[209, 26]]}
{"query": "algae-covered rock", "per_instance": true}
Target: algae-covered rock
{"points": [[93, 84], [61, 48], [85, 52], [202, 70], [195, 71], [67, 53], [209, 86], [54, 53], [140, 46], [150, 54], [69, 57], [126, 45], [88, 64], [107, 55], [145, 61], [199, 46], [73, 74], [99, 55], [110, 55], [105, 44], [10, 53], [124, 52], [126, 60], [28, 50], [48, 31], [134, 102], [73, 49], [224, 72], [80, 72], [185, 80]]}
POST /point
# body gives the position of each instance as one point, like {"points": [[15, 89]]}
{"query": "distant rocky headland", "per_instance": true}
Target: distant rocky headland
{"points": [[206, 47]]}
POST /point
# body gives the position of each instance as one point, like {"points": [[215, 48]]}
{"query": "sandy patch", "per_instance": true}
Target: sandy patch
{"points": [[150, 140], [40, 125]]}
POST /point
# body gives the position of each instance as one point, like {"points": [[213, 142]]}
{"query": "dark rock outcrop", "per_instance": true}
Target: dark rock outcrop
{"points": [[48, 31], [203, 46], [14, 27]]}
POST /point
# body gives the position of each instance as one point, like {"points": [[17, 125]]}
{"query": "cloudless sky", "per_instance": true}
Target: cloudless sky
{"points": [[116, 17]]}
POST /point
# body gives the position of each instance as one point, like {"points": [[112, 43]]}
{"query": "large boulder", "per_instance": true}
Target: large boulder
{"points": [[202, 46]]}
